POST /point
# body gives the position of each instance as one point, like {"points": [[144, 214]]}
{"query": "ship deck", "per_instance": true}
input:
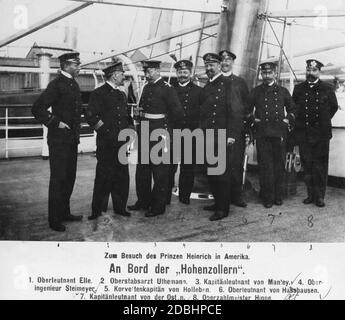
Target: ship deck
{"points": [[24, 201]]}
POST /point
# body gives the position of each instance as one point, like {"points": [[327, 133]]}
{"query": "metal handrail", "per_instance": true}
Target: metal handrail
{"points": [[8, 126]]}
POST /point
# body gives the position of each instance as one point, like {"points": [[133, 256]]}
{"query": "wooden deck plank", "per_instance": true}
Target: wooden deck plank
{"points": [[24, 202]]}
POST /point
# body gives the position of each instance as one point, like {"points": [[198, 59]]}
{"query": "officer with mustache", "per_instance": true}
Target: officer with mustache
{"points": [[274, 111], [316, 105], [108, 114], [63, 97], [189, 96], [216, 113], [160, 107]]}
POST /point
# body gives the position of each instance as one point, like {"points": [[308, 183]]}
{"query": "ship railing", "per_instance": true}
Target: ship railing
{"points": [[7, 126]]}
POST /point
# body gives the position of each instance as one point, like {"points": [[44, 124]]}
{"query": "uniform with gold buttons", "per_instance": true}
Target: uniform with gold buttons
{"points": [[63, 96], [274, 113], [239, 101], [108, 114], [216, 113], [189, 96], [160, 108], [316, 105]]}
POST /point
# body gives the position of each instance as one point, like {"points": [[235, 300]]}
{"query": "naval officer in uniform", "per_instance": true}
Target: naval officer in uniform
{"points": [[160, 107], [216, 113], [189, 96], [63, 97], [316, 105], [239, 102], [274, 113], [108, 114]]}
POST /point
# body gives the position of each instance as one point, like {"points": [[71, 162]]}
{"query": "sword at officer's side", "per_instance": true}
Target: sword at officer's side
{"points": [[288, 163], [245, 161], [297, 160]]}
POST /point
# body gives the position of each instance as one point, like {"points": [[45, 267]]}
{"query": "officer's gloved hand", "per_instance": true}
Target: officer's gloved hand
{"points": [[230, 141], [63, 125], [249, 137], [287, 122]]}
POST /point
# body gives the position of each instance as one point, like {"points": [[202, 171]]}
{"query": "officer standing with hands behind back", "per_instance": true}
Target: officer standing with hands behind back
{"points": [[63, 122]]}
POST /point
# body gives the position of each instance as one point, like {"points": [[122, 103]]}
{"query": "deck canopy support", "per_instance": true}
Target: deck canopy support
{"points": [[153, 41], [44, 22], [187, 6], [317, 13]]}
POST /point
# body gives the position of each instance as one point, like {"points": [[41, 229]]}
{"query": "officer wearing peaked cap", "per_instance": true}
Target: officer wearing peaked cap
{"points": [[160, 108], [274, 111], [316, 105], [216, 113], [189, 96], [108, 114], [63, 96], [239, 101]]}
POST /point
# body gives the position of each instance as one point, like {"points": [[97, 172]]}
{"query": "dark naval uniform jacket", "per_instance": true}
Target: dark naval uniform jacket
{"points": [[216, 110], [189, 97], [158, 99], [216, 113], [108, 105], [271, 103], [161, 98], [239, 102], [316, 107], [239, 97], [63, 96]]}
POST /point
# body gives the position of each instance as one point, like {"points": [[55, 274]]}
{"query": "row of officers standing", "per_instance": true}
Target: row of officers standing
{"points": [[225, 102]]}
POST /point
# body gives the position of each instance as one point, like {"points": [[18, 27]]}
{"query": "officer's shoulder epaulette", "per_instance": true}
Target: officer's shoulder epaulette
{"points": [[167, 84]]}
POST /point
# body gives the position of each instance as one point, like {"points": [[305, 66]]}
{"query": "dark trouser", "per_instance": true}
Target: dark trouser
{"points": [[238, 150], [187, 172], [314, 158], [111, 177], [220, 185], [63, 167], [148, 197], [271, 159], [185, 182]]}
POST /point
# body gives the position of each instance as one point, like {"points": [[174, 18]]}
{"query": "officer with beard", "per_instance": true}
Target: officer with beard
{"points": [[108, 114], [316, 105], [160, 108], [63, 97], [189, 96], [216, 114], [274, 113]]}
